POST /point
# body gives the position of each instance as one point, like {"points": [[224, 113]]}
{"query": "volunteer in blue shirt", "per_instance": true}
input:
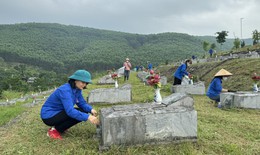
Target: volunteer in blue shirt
{"points": [[181, 72], [215, 87], [59, 112]]}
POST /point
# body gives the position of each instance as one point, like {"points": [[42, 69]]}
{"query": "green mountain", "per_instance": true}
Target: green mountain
{"points": [[64, 49]]}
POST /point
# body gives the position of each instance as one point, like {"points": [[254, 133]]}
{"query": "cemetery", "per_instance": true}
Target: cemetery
{"points": [[126, 123]]}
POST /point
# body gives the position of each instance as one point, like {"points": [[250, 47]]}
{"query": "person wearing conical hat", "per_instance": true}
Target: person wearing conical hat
{"points": [[215, 87]]}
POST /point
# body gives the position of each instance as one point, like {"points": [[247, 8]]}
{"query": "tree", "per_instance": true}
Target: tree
{"points": [[256, 37], [221, 38], [205, 47], [213, 46], [236, 43], [243, 44]]}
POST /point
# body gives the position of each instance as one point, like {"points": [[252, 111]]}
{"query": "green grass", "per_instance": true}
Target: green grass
{"points": [[10, 95], [10, 112], [231, 131]]}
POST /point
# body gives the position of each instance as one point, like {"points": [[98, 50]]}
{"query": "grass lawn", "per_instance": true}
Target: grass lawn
{"points": [[231, 131]]}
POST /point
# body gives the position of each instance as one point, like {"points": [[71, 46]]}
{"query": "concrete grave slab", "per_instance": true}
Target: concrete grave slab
{"points": [[142, 75], [240, 99], [163, 80], [106, 80], [197, 88], [148, 123], [111, 95], [121, 71]]}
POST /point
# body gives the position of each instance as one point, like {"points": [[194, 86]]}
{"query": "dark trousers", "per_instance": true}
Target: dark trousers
{"points": [[177, 81], [61, 121], [126, 74], [215, 98]]}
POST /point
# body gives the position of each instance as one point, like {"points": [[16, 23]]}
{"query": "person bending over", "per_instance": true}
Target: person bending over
{"points": [[59, 112]]}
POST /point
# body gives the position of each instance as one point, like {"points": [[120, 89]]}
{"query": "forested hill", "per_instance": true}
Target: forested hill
{"points": [[64, 48]]}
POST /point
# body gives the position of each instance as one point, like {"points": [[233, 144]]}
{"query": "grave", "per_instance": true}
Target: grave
{"points": [[240, 100], [175, 120], [163, 80], [197, 88], [111, 95], [107, 79], [142, 77], [121, 71]]}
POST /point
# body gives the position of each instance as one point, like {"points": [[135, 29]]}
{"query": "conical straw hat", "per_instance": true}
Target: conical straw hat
{"points": [[223, 72]]}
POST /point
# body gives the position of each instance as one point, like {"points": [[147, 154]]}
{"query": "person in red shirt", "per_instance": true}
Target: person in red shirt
{"points": [[128, 67]]}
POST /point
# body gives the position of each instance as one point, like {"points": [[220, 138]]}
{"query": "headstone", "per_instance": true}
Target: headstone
{"points": [[254, 55], [240, 99], [121, 71], [107, 79], [163, 80], [111, 95], [146, 123], [142, 75], [196, 88]]}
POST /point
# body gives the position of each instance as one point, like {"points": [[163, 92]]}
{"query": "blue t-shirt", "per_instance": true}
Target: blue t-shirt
{"points": [[181, 71], [215, 87], [64, 98]]}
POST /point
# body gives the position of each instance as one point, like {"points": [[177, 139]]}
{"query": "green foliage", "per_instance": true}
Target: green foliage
{"points": [[15, 77], [236, 43], [221, 38], [256, 37], [64, 49], [206, 46], [213, 46]]}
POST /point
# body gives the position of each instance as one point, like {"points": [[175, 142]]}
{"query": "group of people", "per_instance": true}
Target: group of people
{"points": [[215, 86], [59, 112]]}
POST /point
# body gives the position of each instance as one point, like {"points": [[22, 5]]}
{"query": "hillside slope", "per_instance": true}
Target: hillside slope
{"points": [[242, 70], [65, 48]]}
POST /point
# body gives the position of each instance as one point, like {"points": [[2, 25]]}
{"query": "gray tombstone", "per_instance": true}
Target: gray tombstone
{"points": [[148, 123], [163, 80], [111, 95], [107, 79], [196, 88], [241, 100], [120, 71]]}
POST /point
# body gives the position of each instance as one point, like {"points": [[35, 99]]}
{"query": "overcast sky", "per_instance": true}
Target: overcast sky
{"points": [[194, 17]]}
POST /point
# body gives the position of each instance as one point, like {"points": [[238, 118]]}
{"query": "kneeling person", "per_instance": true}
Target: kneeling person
{"points": [[59, 112]]}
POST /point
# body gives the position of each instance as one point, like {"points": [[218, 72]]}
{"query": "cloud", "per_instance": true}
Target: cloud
{"points": [[140, 16]]}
